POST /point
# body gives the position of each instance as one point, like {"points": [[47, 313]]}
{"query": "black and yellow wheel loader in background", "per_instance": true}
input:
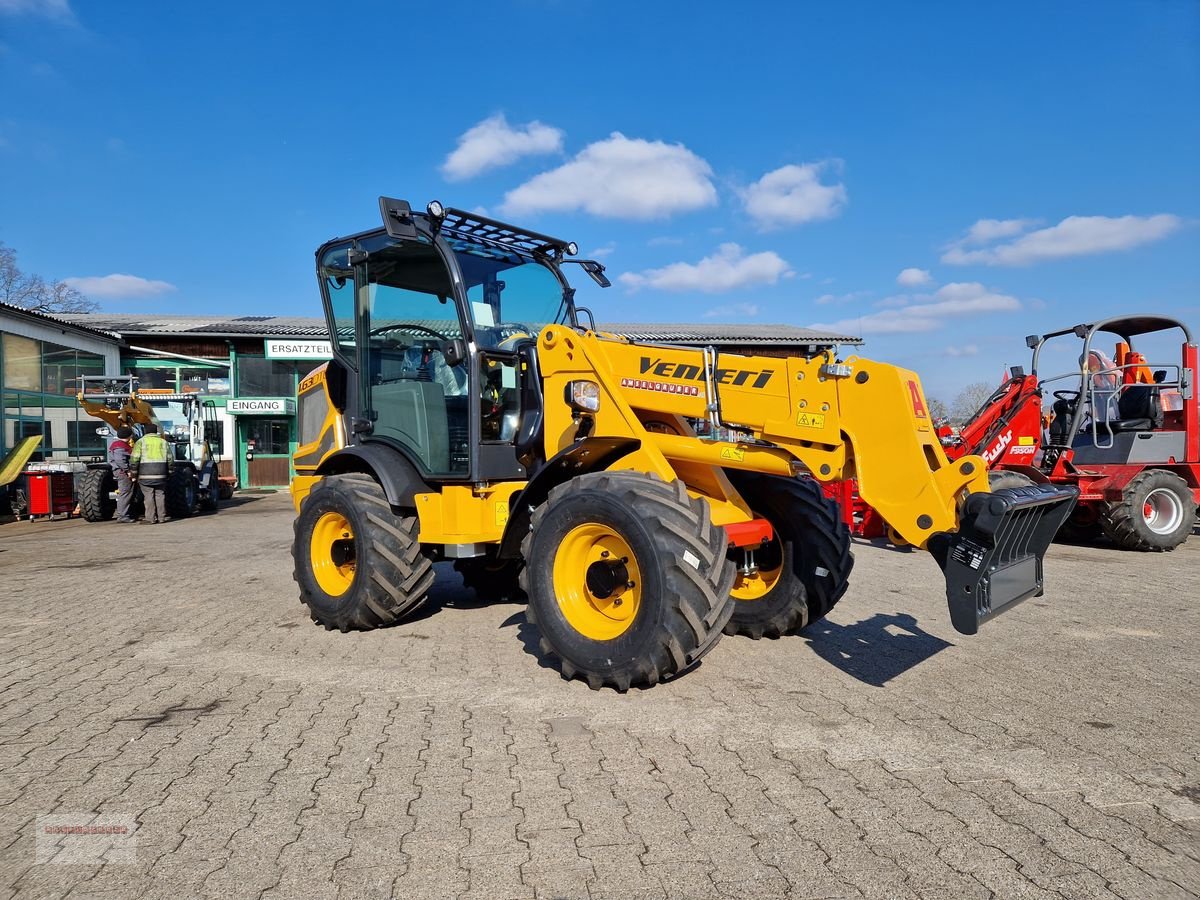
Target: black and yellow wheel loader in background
{"points": [[469, 414]]}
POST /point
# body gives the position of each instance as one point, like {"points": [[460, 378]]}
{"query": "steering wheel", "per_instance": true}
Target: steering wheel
{"points": [[1070, 395], [408, 326]]}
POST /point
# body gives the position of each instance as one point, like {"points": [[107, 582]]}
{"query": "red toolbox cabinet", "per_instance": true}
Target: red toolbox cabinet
{"points": [[50, 493]]}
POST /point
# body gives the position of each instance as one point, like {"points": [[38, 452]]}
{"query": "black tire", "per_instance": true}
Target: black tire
{"points": [[182, 492], [812, 548], [96, 488], [1129, 525], [683, 603], [390, 577], [1081, 527], [492, 580], [999, 479]]}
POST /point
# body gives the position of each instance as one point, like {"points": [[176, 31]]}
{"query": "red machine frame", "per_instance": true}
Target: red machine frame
{"points": [[1010, 429]]}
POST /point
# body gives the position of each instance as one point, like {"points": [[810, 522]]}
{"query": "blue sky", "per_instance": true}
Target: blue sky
{"points": [[1029, 165]]}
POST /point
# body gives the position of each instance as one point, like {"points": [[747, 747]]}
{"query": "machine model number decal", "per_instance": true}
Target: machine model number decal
{"points": [[662, 387], [685, 372], [1022, 451], [811, 420]]}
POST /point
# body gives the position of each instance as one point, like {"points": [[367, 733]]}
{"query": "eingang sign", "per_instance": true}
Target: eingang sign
{"points": [[261, 406], [297, 348]]}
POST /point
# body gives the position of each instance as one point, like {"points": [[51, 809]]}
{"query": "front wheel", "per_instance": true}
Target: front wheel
{"points": [[626, 577], [798, 577], [358, 564], [1157, 511], [96, 489]]}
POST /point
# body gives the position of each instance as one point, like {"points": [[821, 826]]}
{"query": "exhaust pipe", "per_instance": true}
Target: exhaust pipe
{"points": [[994, 560]]}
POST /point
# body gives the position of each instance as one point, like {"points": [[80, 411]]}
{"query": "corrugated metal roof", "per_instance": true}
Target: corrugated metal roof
{"points": [[65, 319], [741, 333], [302, 326]]}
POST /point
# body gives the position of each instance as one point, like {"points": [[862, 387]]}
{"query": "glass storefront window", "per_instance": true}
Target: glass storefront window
{"points": [[158, 378], [261, 377], [269, 436], [22, 363], [58, 369], [204, 381]]}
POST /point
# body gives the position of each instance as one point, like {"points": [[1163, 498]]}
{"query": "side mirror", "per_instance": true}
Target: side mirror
{"points": [[455, 352]]}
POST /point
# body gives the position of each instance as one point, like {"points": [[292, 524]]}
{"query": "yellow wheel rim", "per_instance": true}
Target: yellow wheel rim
{"points": [[331, 550], [759, 583], [597, 581]]}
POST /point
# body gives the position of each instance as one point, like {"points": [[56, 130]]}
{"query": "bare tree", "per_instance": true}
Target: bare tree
{"points": [[33, 292], [969, 400], [937, 409]]}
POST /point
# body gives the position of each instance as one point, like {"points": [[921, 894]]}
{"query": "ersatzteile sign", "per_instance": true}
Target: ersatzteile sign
{"points": [[296, 348]]}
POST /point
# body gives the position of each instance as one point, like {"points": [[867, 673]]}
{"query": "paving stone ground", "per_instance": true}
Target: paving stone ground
{"points": [[167, 676]]}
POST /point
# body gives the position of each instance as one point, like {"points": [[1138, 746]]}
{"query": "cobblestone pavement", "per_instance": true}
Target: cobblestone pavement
{"points": [[171, 675]]}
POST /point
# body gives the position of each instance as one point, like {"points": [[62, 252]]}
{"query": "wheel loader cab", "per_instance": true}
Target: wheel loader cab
{"points": [[437, 330]]}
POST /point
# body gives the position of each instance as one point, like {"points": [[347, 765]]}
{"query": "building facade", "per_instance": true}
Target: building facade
{"points": [[41, 360]]}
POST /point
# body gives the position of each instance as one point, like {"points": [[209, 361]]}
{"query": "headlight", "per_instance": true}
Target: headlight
{"points": [[572, 249], [583, 396], [436, 210]]}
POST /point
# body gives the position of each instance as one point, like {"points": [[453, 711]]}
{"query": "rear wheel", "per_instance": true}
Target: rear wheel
{"points": [[492, 580], [1156, 512], [96, 500], [628, 581], [358, 564], [182, 492], [799, 576]]}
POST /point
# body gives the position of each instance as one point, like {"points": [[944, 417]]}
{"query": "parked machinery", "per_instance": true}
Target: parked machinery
{"points": [[1123, 429], [117, 401], [469, 413]]}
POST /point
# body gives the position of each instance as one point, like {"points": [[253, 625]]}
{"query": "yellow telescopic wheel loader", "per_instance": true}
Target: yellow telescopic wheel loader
{"points": [[470, 414]]}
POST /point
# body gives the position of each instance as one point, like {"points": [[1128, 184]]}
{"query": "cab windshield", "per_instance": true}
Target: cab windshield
{"points": [[510, 296]]}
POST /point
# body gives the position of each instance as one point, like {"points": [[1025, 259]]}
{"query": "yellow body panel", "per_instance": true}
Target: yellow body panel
{"points": [[866, 419], [462, 514]]}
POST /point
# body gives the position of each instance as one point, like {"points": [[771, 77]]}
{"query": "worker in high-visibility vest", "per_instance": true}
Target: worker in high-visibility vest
{"points": [[153, 461]]}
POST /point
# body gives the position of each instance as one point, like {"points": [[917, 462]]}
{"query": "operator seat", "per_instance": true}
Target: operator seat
{"points": [[1139, 409]]}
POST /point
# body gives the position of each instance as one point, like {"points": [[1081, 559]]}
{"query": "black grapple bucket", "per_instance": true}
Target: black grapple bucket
{"points": [[994, 560]]}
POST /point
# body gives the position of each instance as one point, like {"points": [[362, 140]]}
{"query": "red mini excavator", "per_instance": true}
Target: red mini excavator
{"points": [[1124, 430]]}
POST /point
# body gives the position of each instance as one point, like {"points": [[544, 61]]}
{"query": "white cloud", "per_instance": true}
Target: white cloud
{"points": [[665, 241], [118, 286], [493, 143], [826, 299], [54, 9], [620, 177], [987, 230], [913, 277], [928, 312], [965, 350], [601, 252], [726, 270], [792, 195], [1073, 236], [733, 310]]}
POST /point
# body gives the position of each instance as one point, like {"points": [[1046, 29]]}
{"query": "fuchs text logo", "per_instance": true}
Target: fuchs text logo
{"points": [[684, 372]]}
